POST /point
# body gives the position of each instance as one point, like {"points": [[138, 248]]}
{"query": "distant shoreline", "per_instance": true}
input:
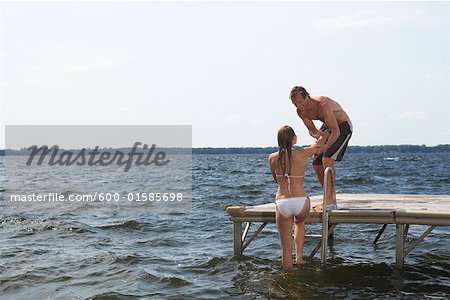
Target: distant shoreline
{"points": [[350, 149]]}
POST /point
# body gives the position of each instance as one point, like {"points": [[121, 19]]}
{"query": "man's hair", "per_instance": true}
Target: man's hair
{"points": [[298, 90]]}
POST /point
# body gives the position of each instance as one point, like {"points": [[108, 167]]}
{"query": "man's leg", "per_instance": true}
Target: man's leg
{"points": [[331, 180], [319, 173], [318, 169], [318, 166], [336, 151]]}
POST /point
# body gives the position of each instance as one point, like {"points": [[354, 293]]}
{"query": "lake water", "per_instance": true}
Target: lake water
{"points": [[98, 251]]}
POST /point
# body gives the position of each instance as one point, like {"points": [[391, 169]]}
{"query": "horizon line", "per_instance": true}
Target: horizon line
{"points": [[243, 147]]}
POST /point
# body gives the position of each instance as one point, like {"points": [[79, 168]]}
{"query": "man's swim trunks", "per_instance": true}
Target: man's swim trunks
{"points": [[337, 150]]}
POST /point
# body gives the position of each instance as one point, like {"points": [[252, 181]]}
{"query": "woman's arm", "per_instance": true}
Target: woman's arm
{"points": [[271, 159], [313, 149]]}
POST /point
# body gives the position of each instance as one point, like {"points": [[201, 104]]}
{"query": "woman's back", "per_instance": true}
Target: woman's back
{"points": [[290, 182]]}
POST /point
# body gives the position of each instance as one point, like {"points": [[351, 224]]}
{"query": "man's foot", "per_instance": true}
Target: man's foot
{"points": [[319, 207]]}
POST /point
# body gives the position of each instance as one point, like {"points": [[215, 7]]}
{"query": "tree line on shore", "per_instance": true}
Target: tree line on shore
{"points": [[350, 149]]}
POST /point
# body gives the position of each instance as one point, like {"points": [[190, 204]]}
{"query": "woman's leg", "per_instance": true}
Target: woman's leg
{"points": [[299, 232], [299, 238], [284, 226]]}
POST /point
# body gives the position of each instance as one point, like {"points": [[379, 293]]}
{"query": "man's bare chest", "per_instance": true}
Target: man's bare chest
{"points": [[311, 113]]}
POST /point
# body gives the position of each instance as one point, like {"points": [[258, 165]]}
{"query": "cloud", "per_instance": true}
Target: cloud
{"points": [[85, 65], [364, 19], [4, 83], [409, 115], [74, 59], [234, 119], [258, 122]]}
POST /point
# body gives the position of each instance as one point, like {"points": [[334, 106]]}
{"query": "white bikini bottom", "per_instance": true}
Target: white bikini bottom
{"points": [[289, 207]]}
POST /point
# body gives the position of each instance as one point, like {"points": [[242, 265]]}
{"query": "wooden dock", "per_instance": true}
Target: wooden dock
{"points": [[400, 210]]}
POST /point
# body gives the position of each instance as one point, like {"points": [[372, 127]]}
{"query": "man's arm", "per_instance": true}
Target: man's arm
{"points": [[330, 121], [310, 125]]}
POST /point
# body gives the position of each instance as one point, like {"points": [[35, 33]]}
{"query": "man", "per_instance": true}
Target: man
{"points": [[332, 137]]}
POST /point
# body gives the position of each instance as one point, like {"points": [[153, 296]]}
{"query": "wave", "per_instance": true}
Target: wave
{"points": [[32, 226], [165, 242], [405, 158], [129, 224], [233, 172], [211, 265], [392, 158], [358, 180], [174, 282], [120, 296]]}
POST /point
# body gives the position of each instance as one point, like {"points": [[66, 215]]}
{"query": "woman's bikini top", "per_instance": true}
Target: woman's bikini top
{"points": [[288, 179]]}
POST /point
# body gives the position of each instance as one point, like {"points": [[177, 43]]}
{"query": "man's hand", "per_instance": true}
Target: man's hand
{"points": [[321, 134], [322, 137]]}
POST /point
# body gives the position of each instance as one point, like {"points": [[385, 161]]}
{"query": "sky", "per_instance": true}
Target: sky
{"points": [[227, 68]]}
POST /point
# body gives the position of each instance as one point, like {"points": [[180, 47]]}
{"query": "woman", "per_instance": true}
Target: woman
{"points": [[292, 202]]}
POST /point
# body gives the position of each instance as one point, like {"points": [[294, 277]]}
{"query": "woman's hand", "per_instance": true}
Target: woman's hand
{"points": [[318, 149]]}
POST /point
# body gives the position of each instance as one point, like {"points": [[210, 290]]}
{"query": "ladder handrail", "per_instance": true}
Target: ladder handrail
{"points": [[328, 171]]}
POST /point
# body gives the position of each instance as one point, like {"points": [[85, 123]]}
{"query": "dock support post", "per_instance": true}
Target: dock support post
{"points": [[254, 235], [237, 238], [323, 256], [414, 244], [379, 234], [319, 244], [399, 245]]}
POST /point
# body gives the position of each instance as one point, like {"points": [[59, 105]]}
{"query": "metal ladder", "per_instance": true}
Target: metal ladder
{"points": [[326, 229]]}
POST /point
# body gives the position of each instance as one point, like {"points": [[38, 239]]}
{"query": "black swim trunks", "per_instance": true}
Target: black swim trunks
{"points": [[337, 150]]}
